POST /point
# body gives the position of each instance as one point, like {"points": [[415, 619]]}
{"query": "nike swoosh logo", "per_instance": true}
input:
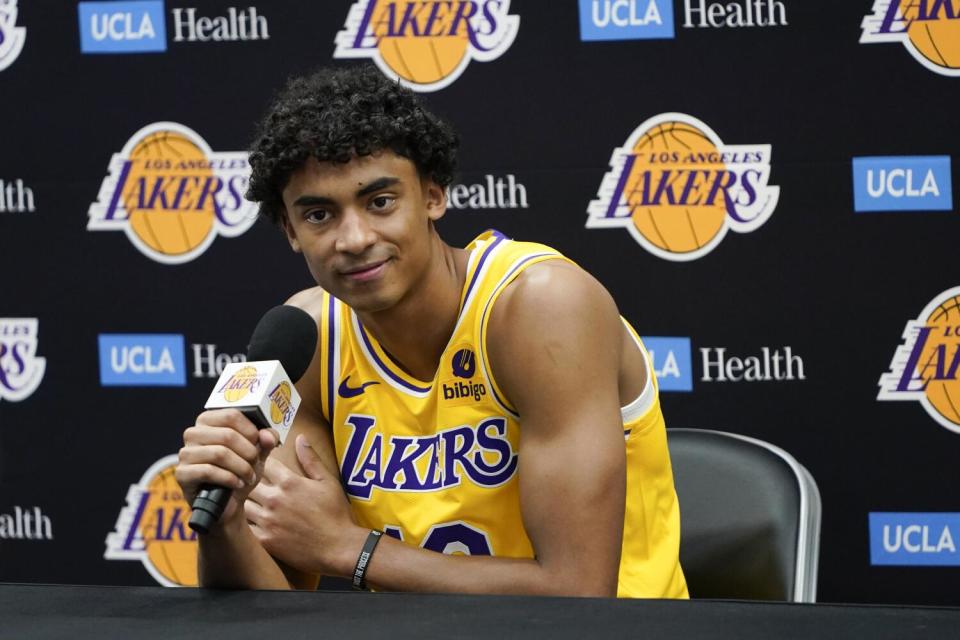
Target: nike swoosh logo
{"points": [[346, 391]]}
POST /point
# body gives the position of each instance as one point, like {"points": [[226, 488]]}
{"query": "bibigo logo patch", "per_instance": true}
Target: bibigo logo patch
{"points": [[152, 528], [929, 29], [172, 194], [677, 188], [926, 367], [428, 44]]}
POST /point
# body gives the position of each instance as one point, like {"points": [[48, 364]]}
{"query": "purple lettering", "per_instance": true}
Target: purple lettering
{"points": [[452, 453], [121, 182], [506, 464], [890, 17], [911, 366], [361, 426], [621, 185], [364, 25]]}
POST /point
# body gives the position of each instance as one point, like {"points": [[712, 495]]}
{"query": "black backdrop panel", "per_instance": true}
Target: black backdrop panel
{"points": [[818, 284]]}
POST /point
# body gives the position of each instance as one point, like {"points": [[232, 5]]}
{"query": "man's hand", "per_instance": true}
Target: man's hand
{"points": [[305, 522], [224, 448]]}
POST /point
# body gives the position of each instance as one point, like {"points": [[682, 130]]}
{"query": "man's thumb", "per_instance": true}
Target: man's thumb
{"points": [[309, 459]]}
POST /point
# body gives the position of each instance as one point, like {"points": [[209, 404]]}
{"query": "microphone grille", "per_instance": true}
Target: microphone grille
{"points": [[287, 334]]}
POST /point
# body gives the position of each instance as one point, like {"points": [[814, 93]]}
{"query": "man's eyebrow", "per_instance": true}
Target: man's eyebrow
{"points": [[309, 201], [376, 185]]}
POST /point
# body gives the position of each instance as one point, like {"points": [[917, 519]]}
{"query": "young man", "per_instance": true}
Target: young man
{"points": [[486, 403]]}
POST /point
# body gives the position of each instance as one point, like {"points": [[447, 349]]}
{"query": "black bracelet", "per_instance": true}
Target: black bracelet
{"points": [[364, 559]]}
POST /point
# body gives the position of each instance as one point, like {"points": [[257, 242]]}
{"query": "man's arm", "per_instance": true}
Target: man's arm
{"points": [[225, 448], [554, 345]]}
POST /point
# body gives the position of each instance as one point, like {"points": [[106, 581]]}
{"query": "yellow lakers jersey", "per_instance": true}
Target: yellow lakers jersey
{"points": [[434, 462]]}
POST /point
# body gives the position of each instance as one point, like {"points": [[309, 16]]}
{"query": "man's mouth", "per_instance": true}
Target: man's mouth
{"points": [[365, 273]]}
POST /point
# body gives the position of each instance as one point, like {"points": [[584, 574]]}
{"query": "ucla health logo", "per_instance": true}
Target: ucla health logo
{"points": [[626, 19], [672, 364], [929, 29], [926, 367], [677, 188], [924, 539], [152, 528], [428, 44], [122, 27], [142, 360], [21, 371], [905, 183], [11, 36], [172, 195]]}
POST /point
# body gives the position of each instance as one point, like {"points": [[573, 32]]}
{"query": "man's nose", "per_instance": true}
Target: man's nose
{"points": [[354, 234]]}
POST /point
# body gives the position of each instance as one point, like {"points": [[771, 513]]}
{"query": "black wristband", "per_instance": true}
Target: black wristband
{"points": [[364, 559]]}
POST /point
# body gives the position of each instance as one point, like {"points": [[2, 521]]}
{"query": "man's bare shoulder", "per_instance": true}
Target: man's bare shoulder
{"points": [[550, 289], [310, 300]]}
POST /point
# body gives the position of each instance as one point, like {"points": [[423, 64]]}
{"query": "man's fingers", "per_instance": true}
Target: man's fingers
{"points": [[269, 439], [196, 474], [274, 471], [230, 418], [309, 459], [204, 435], [221, 457]]}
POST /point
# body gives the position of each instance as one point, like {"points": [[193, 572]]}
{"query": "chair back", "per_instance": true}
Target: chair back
{"points": [[749, 518]]}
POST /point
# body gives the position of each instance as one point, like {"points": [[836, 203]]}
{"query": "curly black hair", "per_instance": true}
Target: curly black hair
{"points": [[336, 114]]}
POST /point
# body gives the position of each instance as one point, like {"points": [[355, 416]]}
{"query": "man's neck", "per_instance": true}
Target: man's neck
{"points": [[415, 331]]}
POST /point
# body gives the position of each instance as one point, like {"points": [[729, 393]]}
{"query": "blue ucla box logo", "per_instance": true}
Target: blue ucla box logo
{"points": [[928, 539], [902, 183], [122, 27], [626, 19], [150, 360], [671, 362]]}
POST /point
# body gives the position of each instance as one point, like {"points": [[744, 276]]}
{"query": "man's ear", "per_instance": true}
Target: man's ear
{"points": [[288, 230], [435, 198]]}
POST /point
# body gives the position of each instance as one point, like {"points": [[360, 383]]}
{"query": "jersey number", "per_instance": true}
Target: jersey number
{"points": [[450, 538]]}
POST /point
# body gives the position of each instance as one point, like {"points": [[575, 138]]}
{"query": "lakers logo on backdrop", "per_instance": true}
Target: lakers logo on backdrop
{"points": [[12, 37], [926, 367], [21, 370], [428, 44], [677, 188], [173, 195], [929, 29], [152, 528]]}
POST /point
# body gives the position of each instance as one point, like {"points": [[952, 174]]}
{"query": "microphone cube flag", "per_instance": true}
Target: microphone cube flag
{"points": [[262, 391]]}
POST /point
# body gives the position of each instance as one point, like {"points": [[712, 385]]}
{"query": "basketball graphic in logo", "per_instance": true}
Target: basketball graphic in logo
{"points": [[677, 188], [172, 195], [661, 222], [936, 37], [940, 360], [421, 59], [427, 44], [929, 30], [240, 384], [926, 366], [160, 225], [280, 410], [153, 529]]}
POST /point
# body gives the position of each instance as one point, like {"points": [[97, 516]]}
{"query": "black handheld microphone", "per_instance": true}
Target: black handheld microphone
{"points": [[262, 388]]}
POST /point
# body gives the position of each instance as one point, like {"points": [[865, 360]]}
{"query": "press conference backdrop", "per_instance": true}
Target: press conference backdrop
{"points": [[763, 185]]}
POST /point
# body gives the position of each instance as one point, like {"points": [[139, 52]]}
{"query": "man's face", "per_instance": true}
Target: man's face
{"points": [[364, 226]]}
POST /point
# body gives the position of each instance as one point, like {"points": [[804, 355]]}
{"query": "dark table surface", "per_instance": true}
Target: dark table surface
{"points": [[61, 611]]}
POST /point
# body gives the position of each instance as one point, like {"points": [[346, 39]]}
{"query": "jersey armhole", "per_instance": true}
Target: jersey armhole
{"points": [[511, 274], [329, 342], [639, 406]]}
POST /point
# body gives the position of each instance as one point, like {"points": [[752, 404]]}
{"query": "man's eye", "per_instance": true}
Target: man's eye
{"points": [[381, 202], [316, 215]]}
